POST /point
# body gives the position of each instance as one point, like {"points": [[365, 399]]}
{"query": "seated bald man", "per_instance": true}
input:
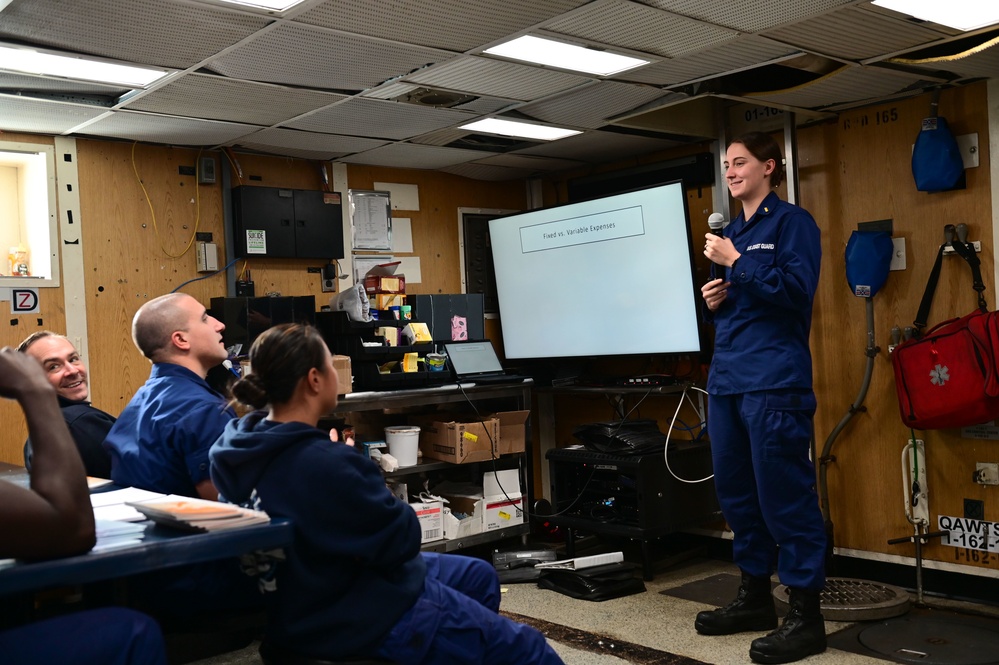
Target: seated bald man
{"points": [[66, 372], [161, 439]]}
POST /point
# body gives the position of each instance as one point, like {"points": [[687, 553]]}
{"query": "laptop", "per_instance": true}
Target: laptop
{"points": [[476, 362]]}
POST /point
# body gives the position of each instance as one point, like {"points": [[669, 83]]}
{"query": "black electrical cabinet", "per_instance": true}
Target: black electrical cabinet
{"points": [[287, 223], [633, 496]]}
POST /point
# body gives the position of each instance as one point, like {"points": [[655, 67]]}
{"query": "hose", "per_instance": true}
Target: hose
{"points": [[825, 459]]}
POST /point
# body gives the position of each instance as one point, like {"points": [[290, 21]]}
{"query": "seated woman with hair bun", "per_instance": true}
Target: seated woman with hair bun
{"points": [[355, 583]]}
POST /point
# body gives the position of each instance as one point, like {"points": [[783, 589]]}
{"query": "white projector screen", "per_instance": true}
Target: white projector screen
{"points": [[612, 276]]}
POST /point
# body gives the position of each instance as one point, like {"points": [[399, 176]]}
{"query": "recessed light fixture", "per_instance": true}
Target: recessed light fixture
{"points": [[566, 56], [960, 14], [32, 61], [272, 5], [519, 129]]}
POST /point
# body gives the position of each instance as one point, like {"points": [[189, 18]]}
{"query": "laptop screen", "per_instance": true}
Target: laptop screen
{"points": [[470, 358]]}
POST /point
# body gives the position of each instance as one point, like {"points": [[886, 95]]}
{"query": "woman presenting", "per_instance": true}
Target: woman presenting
{"points": [[760, 406]]}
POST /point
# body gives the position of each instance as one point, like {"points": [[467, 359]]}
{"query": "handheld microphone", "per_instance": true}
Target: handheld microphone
{"points": [[717, 224], [716, 221]]}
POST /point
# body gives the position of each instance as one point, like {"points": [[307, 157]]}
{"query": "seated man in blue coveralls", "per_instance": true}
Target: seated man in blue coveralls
{"points": [[54, 519], [66, 372], [161, 440]]}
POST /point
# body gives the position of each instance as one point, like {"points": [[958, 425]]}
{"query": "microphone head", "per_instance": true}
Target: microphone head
{"points": [[716, 221]]}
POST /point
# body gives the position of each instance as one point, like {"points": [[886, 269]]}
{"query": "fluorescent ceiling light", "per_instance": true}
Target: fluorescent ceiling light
{"points": [[565, 56], [519, 129], [29, 61], [960, 14], [274, 5]]}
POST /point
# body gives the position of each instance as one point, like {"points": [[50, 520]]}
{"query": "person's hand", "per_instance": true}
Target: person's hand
{"points": [[720, 250], [714, 293], [21, 374], [335, 437]]}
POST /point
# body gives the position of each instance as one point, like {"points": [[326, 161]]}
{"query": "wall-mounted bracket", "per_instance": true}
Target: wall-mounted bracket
{"points": [[977, 244]]}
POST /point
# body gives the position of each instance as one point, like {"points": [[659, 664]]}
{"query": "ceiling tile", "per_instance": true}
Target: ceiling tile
{"points": [[871, 34], [322, 146], [590, 106], [487, 172], [219, 98], [531, 163], [640, 28], [749, 16], [734, 55], [316, 58], [152, 32], [412, 156], [436, 23], [380, 119], [496, 78], [22, 114], [169, 130], [598, 147]]}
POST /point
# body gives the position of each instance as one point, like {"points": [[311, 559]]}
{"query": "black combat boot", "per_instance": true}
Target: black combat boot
{"points": [[802, 634], [752, 609]]}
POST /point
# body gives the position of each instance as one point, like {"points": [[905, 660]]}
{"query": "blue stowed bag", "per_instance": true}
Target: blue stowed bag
{"points": [[936, 159], [868, 260]]}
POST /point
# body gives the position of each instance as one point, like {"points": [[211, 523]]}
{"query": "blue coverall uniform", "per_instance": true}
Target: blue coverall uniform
{"points": [[761, 404], [161, 439], [355, 583]]}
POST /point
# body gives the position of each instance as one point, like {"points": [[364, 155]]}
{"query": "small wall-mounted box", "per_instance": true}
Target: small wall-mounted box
{"points": [[208, 257]]}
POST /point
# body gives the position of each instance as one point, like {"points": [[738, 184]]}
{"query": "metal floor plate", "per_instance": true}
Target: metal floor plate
{"points": [[932, 641], [847, 599]]}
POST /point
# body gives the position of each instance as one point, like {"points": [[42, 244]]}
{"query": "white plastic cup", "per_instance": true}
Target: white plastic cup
{"points": [[403, 443]]}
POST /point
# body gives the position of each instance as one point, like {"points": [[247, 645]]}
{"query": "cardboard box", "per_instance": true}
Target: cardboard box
{"points": [[390, 333], [382, 279], [345, 381], [460, 528], [385, 300], [501, 512], [512, 431], [416, 333], [502, 483], [457, 441], [470, 525], [431, 516]]}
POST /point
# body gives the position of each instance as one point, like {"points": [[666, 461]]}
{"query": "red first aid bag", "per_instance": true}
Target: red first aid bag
{"points": [[947, 377]]}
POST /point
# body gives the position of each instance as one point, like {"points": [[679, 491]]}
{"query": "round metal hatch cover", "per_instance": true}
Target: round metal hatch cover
{"points": [[932, 641], [847, 599]]}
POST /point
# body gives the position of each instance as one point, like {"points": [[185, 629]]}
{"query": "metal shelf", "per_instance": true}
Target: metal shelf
{"points": [[477, 539], [452, 394]]}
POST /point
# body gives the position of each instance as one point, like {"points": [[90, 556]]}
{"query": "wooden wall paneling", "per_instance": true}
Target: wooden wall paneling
{"points": [[51, 315], [127, 261], [856, 170]]}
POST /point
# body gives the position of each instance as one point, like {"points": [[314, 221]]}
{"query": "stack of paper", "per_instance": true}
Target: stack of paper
{"points": [[111, 505], [183, 512], [114, 534]]}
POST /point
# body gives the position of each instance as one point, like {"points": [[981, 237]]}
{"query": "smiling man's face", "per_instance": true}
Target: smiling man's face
{"points": [[63, 366]]}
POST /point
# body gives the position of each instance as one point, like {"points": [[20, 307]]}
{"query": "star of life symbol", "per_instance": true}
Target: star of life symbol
{"points": [[939, 375]]}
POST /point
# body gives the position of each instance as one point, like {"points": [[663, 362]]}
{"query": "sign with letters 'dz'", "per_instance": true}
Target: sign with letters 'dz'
{"points": [[23, 301]]}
